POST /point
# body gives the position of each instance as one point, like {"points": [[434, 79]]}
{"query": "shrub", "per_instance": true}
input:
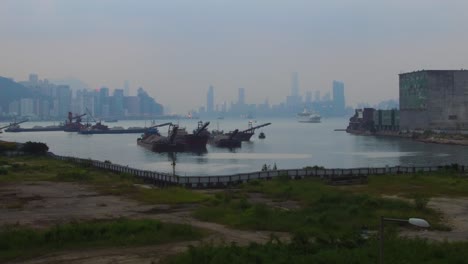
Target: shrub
{"points": [[36, 148], [7, 146], [3, 171], [421, 202]]}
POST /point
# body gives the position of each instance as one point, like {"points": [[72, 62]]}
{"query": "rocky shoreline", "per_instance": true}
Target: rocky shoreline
{"points": [[434, 138]]}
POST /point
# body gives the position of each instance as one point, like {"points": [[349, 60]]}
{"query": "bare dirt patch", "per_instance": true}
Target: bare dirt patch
{"points": [[283, 205], [58, 202], [455, 211]]}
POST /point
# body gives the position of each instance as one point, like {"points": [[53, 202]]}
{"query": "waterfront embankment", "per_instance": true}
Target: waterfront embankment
{"points": [[425, 137]]}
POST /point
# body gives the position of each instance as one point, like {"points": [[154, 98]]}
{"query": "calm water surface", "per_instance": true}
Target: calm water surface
{"points": [[288, 143]]}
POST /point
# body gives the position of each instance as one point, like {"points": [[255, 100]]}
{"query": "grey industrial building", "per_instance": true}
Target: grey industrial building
{"points": [[434, 100]]}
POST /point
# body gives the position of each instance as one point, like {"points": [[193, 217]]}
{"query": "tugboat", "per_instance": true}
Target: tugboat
{"points": [[261, 135]]}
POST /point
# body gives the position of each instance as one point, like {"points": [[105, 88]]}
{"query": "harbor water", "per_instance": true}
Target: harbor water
{"points": [[288, 144]]}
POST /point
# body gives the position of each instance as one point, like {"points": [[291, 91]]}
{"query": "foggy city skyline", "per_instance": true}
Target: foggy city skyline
{"points": [[174, 48]]}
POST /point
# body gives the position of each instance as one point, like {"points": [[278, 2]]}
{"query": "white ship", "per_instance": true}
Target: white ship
{"points": [[308, 117]]}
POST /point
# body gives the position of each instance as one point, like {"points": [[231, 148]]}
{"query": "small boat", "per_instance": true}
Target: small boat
{"points": [[261, 135]]}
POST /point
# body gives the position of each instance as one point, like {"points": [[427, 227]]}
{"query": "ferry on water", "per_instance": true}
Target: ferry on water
{"points": [[309, 117]]}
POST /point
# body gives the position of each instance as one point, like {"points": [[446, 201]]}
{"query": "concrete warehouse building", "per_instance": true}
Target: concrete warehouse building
{"points": [[434, 100]]}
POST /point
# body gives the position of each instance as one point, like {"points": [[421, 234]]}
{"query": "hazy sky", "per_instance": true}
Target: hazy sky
{"points": [[176, 49]]}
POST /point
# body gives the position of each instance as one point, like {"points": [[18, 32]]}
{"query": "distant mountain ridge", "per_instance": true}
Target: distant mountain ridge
{"points": [[11, 91]]}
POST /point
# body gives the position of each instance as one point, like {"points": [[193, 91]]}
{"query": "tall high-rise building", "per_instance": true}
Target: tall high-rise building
{"points": [[33, 78], [126, 88], [317, 96], [104, 102], [308, 97], [295, 84], [63, 100], [210, 100], [338, 98], [241, 97], [117, 106]]}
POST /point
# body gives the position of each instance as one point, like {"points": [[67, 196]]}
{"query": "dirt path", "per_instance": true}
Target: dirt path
{"points": [[44, 204], [455, 211]]}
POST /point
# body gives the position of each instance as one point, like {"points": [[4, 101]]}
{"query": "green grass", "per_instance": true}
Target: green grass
{"points": [[21, 242], [351, 251], [444, 183], [37, 168], [325, 210]]}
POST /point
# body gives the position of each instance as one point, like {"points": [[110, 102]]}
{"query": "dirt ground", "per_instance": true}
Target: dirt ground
{"points": [[42, 204], [455, 211]]}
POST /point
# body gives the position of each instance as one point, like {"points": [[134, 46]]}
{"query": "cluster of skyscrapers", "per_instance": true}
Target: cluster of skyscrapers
{"points": [[327, 105], [50, 101]]}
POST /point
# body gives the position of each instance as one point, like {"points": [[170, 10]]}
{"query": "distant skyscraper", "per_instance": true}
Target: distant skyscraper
{"points": [[33, 78], [64, 100], [295, 85], [104, 102], [210, 100], [241, 97], [338, 98], [117, 106], [126, 88], [317, 96], [309, 97]]}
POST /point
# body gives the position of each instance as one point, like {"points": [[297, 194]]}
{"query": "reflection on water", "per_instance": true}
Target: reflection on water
{"points": [[252, 156], [289, 144]]}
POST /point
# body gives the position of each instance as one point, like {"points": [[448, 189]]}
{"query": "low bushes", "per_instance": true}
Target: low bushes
{"points": [[16, 241]]}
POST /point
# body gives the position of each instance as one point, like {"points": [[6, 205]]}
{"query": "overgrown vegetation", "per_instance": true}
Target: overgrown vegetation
{"points": [[7, 146], [304, 250], [17, 241], [35, 148], [327, 220], [41, 168], [448, 183], [333, 211]]}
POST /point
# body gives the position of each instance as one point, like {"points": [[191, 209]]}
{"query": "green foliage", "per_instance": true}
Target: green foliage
{"points": [[73, 175], [446, 183], [43, 168], [7, 146], [3, 170], [35, 148], [315, 167], [324, 211], [304, 250], [16, 241], [421, 202]]}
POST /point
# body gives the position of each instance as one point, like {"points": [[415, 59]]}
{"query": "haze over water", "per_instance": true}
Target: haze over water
{"points": [[288, 143]]}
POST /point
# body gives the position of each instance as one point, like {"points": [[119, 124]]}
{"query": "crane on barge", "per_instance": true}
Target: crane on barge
{"points": [[12, 125], [73, 123], [245, 135]]}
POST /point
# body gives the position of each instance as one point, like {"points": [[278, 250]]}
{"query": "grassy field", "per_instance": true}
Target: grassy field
{"points": [[396, 250], [326, 221], [18, 241], [29, 168], [333, 211]]}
